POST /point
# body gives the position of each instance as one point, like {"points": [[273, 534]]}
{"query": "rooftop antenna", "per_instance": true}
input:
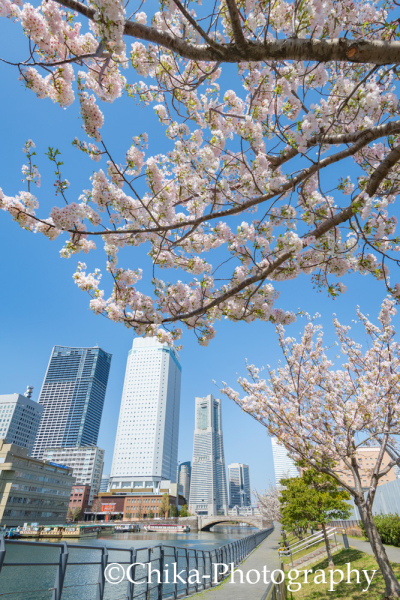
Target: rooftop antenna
{"points": [[29, 390]]}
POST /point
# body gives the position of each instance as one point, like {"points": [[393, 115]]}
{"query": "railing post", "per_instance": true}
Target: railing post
{"points": [[2, 550], [161, 570], [132, 575], [196, 558], [102, 577], [176, 559], [60, 574], [187, 570], [345, 541]]}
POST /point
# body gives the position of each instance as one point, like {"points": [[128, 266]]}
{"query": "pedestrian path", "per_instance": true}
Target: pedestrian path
{"points": [[392, 552], [265, 555]]}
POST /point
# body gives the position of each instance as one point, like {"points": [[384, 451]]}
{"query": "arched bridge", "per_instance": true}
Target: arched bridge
{"points": [[205, 523]]}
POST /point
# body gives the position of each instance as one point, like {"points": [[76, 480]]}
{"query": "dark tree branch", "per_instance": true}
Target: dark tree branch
{"points": [[375, 52]]}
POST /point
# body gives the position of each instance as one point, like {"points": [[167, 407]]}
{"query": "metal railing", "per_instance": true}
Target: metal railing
{"points": [[307, 542], [143, 583]]}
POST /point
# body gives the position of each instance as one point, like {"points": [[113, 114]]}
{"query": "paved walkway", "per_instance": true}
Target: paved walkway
{"points": [[265, 555], [392, 552]]}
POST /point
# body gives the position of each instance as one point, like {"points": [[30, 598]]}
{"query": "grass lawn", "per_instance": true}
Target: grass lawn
{"points": [[353, 591]]}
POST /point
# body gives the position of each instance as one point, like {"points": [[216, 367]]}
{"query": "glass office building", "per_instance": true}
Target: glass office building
{"points": [[72, 397]]}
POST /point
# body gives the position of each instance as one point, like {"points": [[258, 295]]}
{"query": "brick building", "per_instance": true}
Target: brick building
{"points": [[80, 497]]}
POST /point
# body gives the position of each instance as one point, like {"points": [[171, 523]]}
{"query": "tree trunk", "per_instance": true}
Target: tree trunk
{"points": [[391, 582], [328, 547]]}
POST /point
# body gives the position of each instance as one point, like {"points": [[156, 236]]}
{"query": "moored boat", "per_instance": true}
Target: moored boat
{"points": [[127, 528], [160, 527], [31, 531], [80, 531], [51, 531], [107, 529]]}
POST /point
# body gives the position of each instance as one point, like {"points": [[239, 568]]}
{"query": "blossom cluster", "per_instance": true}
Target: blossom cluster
{"points": [[239, 200]]}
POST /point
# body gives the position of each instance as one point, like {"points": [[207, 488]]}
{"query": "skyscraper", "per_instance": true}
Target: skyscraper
{"points": [[283, 465], [19, 419], [239, 485], [72, 397], [183, 478], [146, 446], [208, 492]]}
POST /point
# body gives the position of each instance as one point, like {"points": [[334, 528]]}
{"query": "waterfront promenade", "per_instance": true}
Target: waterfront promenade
{"points": [[265, 555]]}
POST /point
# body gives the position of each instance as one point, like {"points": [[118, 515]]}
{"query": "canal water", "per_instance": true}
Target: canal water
{"points": [[34, 582]]}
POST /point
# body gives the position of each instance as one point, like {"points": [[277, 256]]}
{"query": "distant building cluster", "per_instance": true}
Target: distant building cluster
{"points": [[52, 468], [58, 435]]}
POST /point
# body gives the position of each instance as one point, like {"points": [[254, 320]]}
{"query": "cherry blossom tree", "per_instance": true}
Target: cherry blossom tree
{"points": [[269, 502], [322, 415], [286, 163]]}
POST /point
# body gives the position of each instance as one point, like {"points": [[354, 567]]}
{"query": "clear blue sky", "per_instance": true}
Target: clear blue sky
{"points": [[41, 306]]}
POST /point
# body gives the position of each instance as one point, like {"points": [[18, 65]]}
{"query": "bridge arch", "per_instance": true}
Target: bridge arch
{"points": [[205, 523]]}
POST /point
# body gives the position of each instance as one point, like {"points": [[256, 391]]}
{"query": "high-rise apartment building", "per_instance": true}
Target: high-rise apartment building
{"points": [[19, 419], [86, 463], [283, 465], [146, 446], [239, 485], [72, 397], [208, 491], [183, 478]]}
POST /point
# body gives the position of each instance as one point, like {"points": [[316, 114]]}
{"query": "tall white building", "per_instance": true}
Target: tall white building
{"points": [[208, 491], [283, 465], [146, 446], [239, 485], [19, 419], [86, 463]]}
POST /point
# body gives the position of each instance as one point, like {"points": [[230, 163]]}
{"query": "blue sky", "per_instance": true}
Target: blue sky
{"points": [[41, 306]]}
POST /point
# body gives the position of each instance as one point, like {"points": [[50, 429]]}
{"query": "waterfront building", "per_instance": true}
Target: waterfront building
{"points": [[104, 483], [79, 499], [239, 485], [32, 490], [366, 459], [208, 490], [183, 478], [19, 419], [146, 445], [134, 505], [283, 465], [86, 463], [72, 397]]}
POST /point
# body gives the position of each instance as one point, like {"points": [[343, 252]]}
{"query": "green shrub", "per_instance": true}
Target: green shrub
{"points": [[388, 527]]}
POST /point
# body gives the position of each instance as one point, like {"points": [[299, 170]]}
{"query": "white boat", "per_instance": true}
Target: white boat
{"points": [[166, 528]]}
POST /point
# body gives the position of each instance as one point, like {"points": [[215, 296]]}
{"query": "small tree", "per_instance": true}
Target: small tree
{"points": [[269, 503], [173, 511], [96, 506], [184, 511], [76, 514], [322, 415], [164, 506], [139, 510], [151, 514], [313, 499]]}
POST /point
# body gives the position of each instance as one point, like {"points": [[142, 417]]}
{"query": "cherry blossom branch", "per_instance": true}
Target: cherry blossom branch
{"points": [[376, 52]]}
